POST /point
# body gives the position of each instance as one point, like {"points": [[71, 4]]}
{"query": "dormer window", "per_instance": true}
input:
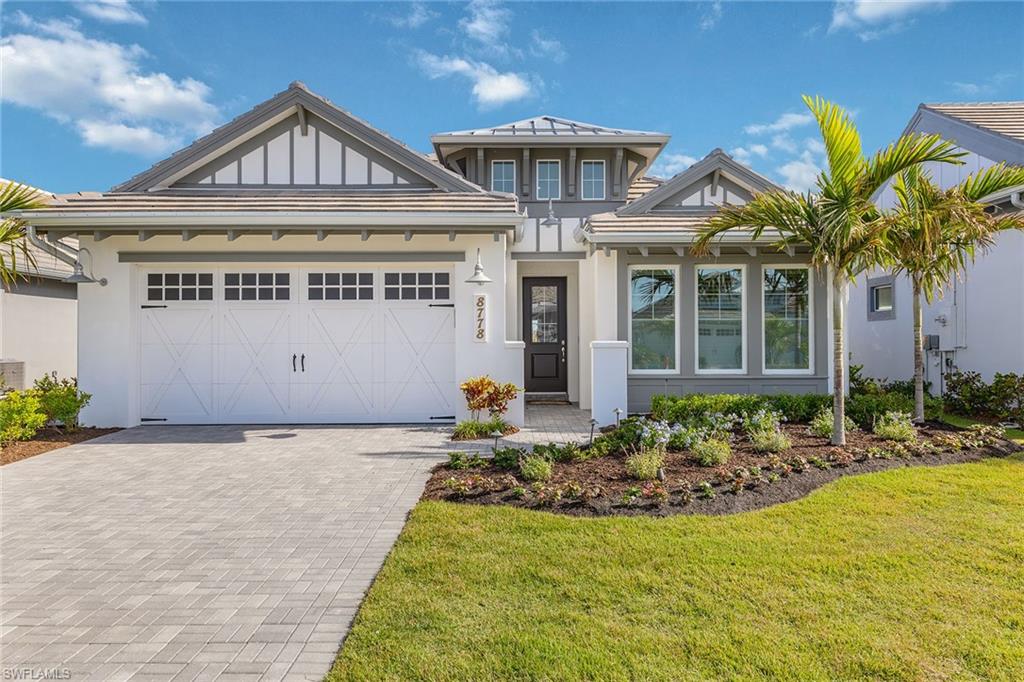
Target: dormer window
{"points": [[503, 176], [549, 179], [593, 179]]}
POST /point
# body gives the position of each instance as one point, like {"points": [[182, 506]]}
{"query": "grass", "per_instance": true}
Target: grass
{"points": [[963, 422], [909, 574]]}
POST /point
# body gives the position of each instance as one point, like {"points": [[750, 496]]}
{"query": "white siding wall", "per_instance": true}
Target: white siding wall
{"points": [[39, 331]]}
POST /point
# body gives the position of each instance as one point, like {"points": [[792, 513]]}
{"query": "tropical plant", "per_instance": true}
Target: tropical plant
{"points": [[837, 222], [15, 197], [895, 426], [643, 465], [933, 235], [60, 400], [484, 393], [20, 416]]}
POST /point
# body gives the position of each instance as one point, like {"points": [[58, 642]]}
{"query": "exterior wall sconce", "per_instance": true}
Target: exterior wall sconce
{"points": [[78, 275], [478, 272]]}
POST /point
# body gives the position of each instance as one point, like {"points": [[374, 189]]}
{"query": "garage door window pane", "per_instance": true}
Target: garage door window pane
{"points": [[340, 286], [257, 286], [179, 286], [422, 286]]}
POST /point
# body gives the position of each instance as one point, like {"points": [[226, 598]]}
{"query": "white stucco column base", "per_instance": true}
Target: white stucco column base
{"points": [[609, 363], [515, 354]]}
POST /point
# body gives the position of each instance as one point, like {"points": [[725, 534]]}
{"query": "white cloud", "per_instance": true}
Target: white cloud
{"points": [[544, 47], [669, 164], [746, 154], [783, 123], [873, 19], [800, 174], [784, 142], [710, 18], [491, 87], [111, 11], [988, 86], [89, 83], [417, 15], [487, 23]]}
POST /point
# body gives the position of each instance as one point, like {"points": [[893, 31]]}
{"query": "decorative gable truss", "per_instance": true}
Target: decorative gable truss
{"points": [[297, 139], [303, 152], [714, 181]]}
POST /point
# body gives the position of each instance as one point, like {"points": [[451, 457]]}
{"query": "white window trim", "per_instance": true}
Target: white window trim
{"points": [[629, 327], [304, 285], [536, 174], [604, 180], [514, 178], [810, 321], [874, 299], [745, 285]]}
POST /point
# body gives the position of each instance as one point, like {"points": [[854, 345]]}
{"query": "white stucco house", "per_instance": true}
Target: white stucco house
{"points": [[38, 320], [978, 324], [299, 265]]}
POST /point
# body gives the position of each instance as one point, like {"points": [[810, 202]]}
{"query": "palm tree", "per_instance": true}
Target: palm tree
{"points": [[838, 222], [934, 233], [15, 197]]}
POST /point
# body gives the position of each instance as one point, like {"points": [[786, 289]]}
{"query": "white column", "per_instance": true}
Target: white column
{"points": [[608, 377]]}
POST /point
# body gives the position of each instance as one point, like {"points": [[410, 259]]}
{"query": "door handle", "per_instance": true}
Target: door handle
{"points": [[293, 361], [303, 361], [563, 351]]}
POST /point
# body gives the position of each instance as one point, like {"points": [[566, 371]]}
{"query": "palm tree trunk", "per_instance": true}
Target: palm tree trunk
{"points": [[838, 380], [918, 353]]}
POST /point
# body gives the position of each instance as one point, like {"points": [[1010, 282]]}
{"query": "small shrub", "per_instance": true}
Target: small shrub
{"points": [[472, 429], [462, 460], [895, 426], [535, 468], [484, 393], [685, 437], [819, 462], [572, 490], [866, 409], [770, 441], [630, 495], [705, 490], [508, 458], [685, 496], [966, 393], [21, 416], [712, 452], [1007, 392], [643, 465], [685, 408], [599, 448], [518, 492], [60, 400], [821, 424], [655, 490]]}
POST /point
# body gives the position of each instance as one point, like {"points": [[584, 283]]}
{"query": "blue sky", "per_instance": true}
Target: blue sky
{"points": [[95, 92]]}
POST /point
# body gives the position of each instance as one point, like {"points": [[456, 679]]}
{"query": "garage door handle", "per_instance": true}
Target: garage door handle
{"points": [[293, 361], [303, 361]]}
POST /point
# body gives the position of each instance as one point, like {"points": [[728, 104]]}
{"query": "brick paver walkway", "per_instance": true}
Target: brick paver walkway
{"points": [[190, 553]]}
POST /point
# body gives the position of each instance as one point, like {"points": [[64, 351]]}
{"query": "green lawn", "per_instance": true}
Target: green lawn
{"points": [[913, 574]]}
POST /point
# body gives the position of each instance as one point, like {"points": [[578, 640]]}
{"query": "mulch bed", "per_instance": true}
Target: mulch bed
{"points": [[48, 439], [809, 464]]}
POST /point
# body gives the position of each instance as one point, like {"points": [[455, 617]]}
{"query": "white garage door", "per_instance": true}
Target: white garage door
{"points": [[297, 345]]}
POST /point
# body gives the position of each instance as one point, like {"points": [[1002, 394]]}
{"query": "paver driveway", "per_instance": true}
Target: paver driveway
{"points": [[194, 552]]}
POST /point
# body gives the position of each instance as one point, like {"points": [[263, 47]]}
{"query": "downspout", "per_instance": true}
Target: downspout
{"points": [[43, 245], [1016, 200]]}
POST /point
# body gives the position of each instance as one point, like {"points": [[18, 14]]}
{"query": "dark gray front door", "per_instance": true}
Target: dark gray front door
{"points": [[544, 330]]}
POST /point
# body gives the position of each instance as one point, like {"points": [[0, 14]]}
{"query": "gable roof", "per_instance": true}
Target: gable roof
{"points": [[994, 130], [1003, 118], [642, 186], [717, 160], [297, 97]]}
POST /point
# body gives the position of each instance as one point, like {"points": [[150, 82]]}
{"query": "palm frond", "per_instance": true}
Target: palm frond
{"points": [[842, 141], [991, 180], [905, 153]]}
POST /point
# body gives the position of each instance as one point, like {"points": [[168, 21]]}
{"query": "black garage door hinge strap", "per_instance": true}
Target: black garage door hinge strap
{"points": [[153, 419], [440, 305], [153, 306], [447, 417]]}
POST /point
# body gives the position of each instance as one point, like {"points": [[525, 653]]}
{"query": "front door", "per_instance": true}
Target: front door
{"points": [[544, 330]]}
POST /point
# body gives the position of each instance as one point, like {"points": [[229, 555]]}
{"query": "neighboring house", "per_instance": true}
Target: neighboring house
{"points": [[298, 265], [978, 325], [38, 321]]}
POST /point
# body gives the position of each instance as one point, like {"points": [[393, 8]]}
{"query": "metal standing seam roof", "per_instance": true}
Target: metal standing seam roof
{"points": [[550, 126], [1004, 118], [311, 202]]}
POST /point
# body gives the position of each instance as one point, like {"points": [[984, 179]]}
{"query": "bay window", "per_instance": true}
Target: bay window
{"points": [[787, 319], [721, 346], [653, 334]]}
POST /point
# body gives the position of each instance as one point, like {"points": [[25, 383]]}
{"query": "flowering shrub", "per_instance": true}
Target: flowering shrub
{"points": [[770, 440], [535, 468], [821, 425], [712, 452], [762, 420]]}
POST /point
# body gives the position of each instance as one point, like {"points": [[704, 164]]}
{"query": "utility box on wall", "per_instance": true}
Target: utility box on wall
{"points": [[13, 374]]}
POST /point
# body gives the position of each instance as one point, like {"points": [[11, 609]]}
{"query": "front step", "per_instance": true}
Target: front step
{"points": [[547, 398]]}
